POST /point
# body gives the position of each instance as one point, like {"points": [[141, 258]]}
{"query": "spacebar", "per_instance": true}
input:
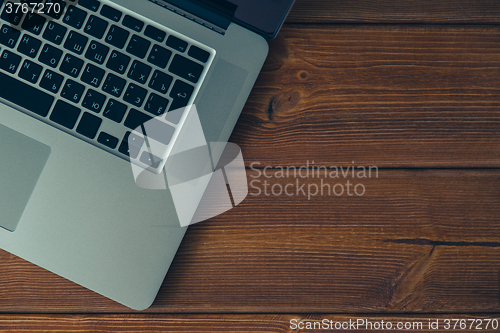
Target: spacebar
{"points": [[25, 95]]}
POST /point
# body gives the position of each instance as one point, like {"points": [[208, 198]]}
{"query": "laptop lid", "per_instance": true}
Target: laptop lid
{"points": [[264, 17]]}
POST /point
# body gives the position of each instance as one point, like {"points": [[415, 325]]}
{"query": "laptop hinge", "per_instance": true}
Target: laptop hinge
{"points": [[198, 13]]}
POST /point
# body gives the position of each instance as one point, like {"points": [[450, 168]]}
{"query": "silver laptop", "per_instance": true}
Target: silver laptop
{"points": [[76, 77]]}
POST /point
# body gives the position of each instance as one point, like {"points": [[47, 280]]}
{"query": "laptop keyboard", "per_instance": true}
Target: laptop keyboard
{"points": [[97, 71]]}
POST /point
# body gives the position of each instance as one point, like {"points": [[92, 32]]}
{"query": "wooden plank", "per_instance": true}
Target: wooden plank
{"points": [[144, 323], [391, 96], [416, 240], [241, 323], [395, 11]]}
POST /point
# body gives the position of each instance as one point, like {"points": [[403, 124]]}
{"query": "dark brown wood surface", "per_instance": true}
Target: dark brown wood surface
{"points": [[391, 96], [395, 11], [415, 241], [263, 323], [411, 87]]}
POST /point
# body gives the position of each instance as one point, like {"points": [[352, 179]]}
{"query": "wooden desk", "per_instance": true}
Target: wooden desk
{"points": [[411, 87]]}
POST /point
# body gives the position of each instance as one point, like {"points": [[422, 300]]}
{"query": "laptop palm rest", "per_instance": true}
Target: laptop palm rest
{"points": [[22, 162]]}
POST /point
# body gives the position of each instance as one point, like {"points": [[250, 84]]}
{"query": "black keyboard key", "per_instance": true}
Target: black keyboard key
{"points": [[113, 85], [54, 8], [138, 46], [159, 131], [16, 91], [159, 56], [15, 15], [131, 151], [9, 61], [133, 23], [54, 32], [75, 17], [139, 72], [93, 101], [118, 62], [185, 68], [97, 52], [71, 65], [198, 53], [177, 104], [150, 159], [115, 110], [65, 114], [88, 125], [160, 82], [155, 33], [117, 36], [107, 140], [33, 23], [72, 91], [95, 27], [156, 105], [76, 42], [92, 75], [135, 95], [30, 71], [135, 119], [51, 81], [92, 5], [29, 46], [50, 56], [111, 13], [9, 36], [176, 43], [181, 90]]}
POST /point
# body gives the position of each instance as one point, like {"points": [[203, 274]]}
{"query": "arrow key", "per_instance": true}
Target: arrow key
{"points": [[186, 68]]}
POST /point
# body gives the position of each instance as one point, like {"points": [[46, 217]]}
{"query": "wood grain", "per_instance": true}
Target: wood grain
{"points": [[417, 240], [391, 96], [227, 323], [145, 323], [395, 11], [410, 86]]}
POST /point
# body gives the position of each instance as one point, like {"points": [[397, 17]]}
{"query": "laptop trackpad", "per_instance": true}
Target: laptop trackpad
{"points": [[21, 164]]}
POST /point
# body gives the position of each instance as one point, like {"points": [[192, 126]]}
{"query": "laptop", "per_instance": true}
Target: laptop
{"points": [[76, 78]]}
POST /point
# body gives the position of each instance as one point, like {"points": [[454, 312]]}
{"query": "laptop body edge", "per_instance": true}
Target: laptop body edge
{"points": [[117, 239]]}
